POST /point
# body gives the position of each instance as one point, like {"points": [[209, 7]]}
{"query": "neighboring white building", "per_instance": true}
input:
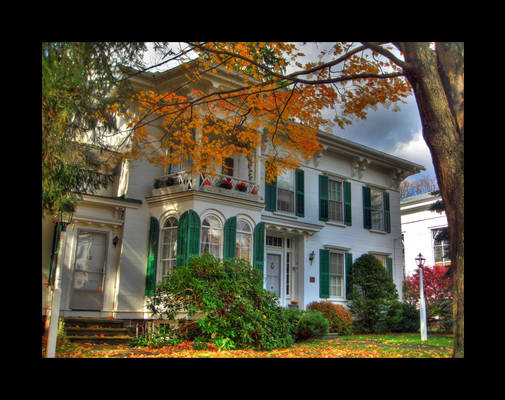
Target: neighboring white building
{"points": [[424, 232], [303, 232]]}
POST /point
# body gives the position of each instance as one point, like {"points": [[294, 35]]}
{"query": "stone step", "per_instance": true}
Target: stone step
{"points": [[96, 331], [329, 336], [101, 340], [83, 322]]}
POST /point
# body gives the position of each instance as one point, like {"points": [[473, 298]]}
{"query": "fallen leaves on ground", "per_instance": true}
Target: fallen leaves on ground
{"points": [[314, 349]]}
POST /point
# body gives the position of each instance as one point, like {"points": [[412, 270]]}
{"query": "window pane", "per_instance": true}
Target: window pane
{"points": [[212, 236], [335, 211], [286, 181], [285, 200], [336, 274]]}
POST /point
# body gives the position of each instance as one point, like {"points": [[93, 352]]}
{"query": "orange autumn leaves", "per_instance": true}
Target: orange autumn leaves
{"points": [[325, 349], [266, 115]]}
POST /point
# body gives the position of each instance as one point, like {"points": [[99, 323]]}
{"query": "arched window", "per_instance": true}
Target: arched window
{"points": [[212, 236], [168, 247], [244, 240]]}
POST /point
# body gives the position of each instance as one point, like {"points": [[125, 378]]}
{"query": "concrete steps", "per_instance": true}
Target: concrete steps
{"points": [[95, 330]]}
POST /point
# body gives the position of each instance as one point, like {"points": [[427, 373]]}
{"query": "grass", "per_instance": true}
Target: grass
{"points": [[436, 340], [356, 346]]}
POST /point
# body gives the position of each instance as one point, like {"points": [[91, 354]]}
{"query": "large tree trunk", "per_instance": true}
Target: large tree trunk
{"points": [[437, 81]]}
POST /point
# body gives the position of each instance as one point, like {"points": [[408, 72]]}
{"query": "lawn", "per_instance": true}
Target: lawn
{"points": [[355, 346]]}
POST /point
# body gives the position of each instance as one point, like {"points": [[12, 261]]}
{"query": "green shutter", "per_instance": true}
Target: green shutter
{"points": [[387, 213], [367, 208], [194, 234], [323, 198], [270, 196], [230, 238], [347, 204], [389, 267], [259, 247], [324, 273], [348, 268], [152, 256], [300, 193], [188, 237]]}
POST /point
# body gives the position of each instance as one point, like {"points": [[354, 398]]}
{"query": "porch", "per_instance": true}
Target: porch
{"points": [[221, 184]]}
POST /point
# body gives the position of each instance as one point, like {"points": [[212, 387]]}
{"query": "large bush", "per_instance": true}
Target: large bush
{"points": [[307, 324], [437, 292], [236, 312], [339, 318], [374, 299]]}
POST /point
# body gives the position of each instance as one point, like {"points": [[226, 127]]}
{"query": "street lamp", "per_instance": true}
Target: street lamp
{"points": [[420, 262]]}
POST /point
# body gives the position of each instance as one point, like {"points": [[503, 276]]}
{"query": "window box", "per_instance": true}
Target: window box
{"points": [[241, 187], [226, 184]]}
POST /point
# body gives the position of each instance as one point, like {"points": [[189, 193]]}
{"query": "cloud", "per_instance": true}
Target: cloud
{"points": [[416, 151]]}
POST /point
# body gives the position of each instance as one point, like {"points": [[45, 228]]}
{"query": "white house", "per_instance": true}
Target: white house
{"points": [[424, 232], [303, 232]]}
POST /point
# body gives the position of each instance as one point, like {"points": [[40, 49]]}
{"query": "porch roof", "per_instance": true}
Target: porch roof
{"points": [[282, 224]]}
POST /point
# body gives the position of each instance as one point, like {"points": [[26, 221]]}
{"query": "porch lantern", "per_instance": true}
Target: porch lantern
{"points": [[311, 257], [65, 214], [420, 262]]}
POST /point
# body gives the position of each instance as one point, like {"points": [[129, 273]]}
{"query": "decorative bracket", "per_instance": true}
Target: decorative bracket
{"points": [[317, 157], [398, 176], [358, 166]]}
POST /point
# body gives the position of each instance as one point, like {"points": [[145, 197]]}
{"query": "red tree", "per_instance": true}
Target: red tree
{"points": [[437, 285]]}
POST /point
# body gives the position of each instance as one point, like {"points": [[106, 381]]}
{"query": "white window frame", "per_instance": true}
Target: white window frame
{"points": [[219, 229], [171, 260], [377, 208], [339, 203], [248, 234], [337, 275], [445, 261], [291, 191]]}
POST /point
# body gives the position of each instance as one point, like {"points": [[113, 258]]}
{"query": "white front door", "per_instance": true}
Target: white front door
{"points": [[88, 273], [273, 274]]}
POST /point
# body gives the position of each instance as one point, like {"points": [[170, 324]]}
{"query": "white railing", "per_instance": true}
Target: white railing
{"points": [[178, 178], [230, 183], [183, 181]]}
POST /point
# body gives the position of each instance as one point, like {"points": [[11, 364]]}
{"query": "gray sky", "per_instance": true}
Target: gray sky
{"points": [[398, 133]]}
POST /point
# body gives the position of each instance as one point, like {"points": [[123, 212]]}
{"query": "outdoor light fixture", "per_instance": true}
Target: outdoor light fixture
{"points": [[115, 241], [65, 215], [420, 262], [311, 257]]}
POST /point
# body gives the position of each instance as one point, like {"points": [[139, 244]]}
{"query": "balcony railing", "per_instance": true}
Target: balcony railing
{"points": [[221, 184]]}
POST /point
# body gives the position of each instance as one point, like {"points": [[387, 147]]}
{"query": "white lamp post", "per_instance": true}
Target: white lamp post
{"points": [[64, 218], [424, 331]]}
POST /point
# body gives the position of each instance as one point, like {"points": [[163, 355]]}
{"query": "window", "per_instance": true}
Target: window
{"points": [[377, 209], [381, 258], [212, 236], [336, 274], [335, 204], [228, 166], [441, 249], [274, 241], [286, 192], [244, 240], [168, 247]]}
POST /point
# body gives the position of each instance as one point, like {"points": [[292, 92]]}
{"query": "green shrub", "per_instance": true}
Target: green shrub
{"points": [[162, 335], [339, 318], [409, 321], [308, 324], [373, 296], [237, 311]]}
